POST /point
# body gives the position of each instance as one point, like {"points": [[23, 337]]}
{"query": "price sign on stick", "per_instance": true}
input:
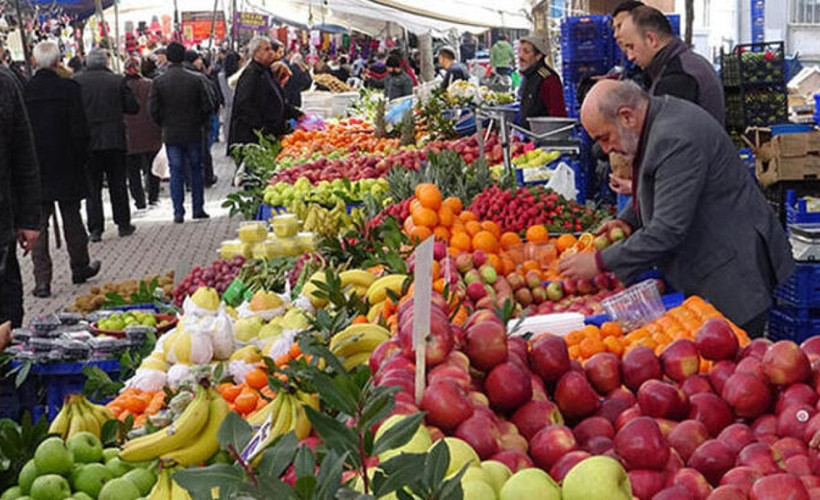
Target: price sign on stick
{"points": [[422, 296]]}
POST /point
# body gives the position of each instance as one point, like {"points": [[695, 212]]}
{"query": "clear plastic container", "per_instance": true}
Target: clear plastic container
{"points": [[285, 225], [307, 241], [230, 248], [258, 251], [253, 231], [289, 247], [635, 306]]}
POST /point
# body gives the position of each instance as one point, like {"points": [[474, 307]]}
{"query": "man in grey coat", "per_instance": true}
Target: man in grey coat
{"points": [[696, 214]]}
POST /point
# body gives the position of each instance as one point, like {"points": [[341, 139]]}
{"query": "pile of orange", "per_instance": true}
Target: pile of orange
{"points": [[590, 340], [140, 404], [249, 396]]}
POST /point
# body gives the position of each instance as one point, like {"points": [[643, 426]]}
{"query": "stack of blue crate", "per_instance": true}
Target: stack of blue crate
{"points": [[586, 50], [758, 21]]}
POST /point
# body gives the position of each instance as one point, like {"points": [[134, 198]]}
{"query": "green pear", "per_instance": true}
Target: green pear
{"points": [[50, 487], [530, 483], [117, 467], [90, 479], [143, 479], [246, 329], [497, 472], [460, 453], [79, 495], [597, 478], [27, 476], [119, 489], [109, 453], [52, 457], [478, 490]]}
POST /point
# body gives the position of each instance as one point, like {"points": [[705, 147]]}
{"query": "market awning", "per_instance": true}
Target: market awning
{"points": [[79, 8], [513, 14]]}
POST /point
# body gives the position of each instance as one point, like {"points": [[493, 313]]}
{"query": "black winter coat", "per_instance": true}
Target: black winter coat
{"points": [[259, 104], [106, 99], [55, 108], [19, 174], [181, 105]]}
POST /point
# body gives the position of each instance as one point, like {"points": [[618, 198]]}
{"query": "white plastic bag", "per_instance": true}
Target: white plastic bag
{"points": [[159, 166], [563, 181]]}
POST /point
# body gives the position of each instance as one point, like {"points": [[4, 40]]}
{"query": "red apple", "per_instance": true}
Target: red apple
{"points": [[550, 444], [567, 462], [513, 442], [639, 365], [779, 486], [446, 404], [761, 457], [517, 346], [397, 363], [385, 352], [549, 358], [696, 384], [604, 372], [598, 445], [611, 409], [789, 447], [811, 482], [752, 366], [661, 400], [680, 360], [533, 416], [748, 395], [451, 372], [575, 397], [508, 386], [405, 380], [795, 394], [640, 445], [712, 459], [623, 394], [737, 436], [486, 344], [794, 419], [741, 476], [811, 347], [719, 373], [716, 340], [693, 481], [513, 459], [539, 392], [812, 428], [756, 349], [674, 493], [592, 427], [712, 411], [687, 436], [438, 343], [481, 434], [798, 465], [727, 492], [785, 364], [646, 483], [627, 416], [765, 425]]}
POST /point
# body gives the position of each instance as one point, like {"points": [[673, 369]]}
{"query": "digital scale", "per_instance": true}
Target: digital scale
{"points": [[805, 241]]}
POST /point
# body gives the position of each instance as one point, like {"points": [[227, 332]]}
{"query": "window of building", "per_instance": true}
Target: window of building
{"points": [[805, 12]]}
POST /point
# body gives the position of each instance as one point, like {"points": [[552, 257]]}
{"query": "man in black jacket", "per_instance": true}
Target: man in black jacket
{"points": [[19, 194], [106, 98], [259, 103], [55, 107], [181, 105], [194, 62]]}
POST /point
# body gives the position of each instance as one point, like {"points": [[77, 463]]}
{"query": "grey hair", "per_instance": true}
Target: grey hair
{"points": [[96, 59], [46, 54], [255, 43], [626, 94], [297, 58]]}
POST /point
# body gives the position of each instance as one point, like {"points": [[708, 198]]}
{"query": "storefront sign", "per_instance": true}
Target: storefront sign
{"points": [[196, 26], [251, 21]]}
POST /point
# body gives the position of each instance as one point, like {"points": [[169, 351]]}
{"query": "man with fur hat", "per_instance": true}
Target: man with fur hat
{"points": [[541, 93]]}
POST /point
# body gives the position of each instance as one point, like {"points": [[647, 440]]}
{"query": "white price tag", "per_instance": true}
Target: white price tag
{"points": [[422, 297]]}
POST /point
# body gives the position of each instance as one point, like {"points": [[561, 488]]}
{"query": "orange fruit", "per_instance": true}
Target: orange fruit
{"points": [[495, 261], [574, 351], [591, 346], [565, 241], [509, 239], [441, 234], [134, 404], [420, 233], [439, 284], [485, 241], [611, 329], [425, 217], [531, 265], [415, 204], [473, 227], [408, 225], [256, 378], [461, 241], [229, 391], [436, 270], [614, 345], [509, 265], [591, 331], [537, 234], [467, 216], [492, 227], [246, 401], [454, 204], [429, 195], [446, 217]]}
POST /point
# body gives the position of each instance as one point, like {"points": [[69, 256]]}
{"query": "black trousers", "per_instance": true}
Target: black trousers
{"points": [[139, 167], [76, 241], [111, 164], [11, 286], [207, 160]]}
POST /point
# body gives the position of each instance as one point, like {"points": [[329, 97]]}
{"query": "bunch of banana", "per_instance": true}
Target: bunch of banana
{"points": [[167, 489], [79, 414], [206, 443], [282, 408], [358, 280], [187, 428], [354, 344], [377, 292]]}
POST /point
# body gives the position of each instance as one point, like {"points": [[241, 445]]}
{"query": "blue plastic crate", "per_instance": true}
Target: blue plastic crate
{"points": [[591, 50], [674, 20], [15, 401], [817, 109], [802, 289], [266, 211], [797, 213], [787, 323], [585, 28], [573, 72]]}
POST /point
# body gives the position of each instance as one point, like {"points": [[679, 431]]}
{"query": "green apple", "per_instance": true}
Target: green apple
{"points": [[90, 479], [86, 447], [475, 473], [119, 489], [478, 490], [109, 453], [498, 473], [530, 483], [143, 479], [12, 493], [52, 457], [117, 467], [597, 478], [50, 487], [460, 453], [27, 476], [419, 443], [79, 495]]}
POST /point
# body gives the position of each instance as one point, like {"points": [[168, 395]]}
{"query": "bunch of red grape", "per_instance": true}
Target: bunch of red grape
{"points": [[218, 275]]}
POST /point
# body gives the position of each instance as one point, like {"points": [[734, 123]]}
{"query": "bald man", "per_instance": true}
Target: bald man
{"points": [[696, 213]]}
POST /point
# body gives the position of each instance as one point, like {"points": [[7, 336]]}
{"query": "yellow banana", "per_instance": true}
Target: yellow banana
{"points": [[186, 428], [375, 311], [206, 443], [61, 422], [361, 291], [309, 288], [90, 422], [99, 414], [355, 360], [283, 419], [162, 488], [363, 343], [311, 400], [301, 423], [357, 277], [76, 420], [378, 290], [354, 331], [178, 492], [272, 408]]}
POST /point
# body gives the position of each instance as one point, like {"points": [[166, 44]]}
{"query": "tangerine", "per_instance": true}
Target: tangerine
{"points": [[256, 378], [246, 401], [446, 217], [614, 345], [495, 261], [454, 203], [429, 195], [509, 239], [441, 234], [565, 241], [492, 227], [425, 217], [485, 241], [415, 204], [591, 346], [537, 234], [611, 329], [420, 233], [408, 225], [472, 227], [461, 241], [467, 216]]}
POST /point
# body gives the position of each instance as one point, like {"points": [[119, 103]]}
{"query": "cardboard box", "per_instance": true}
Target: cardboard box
{"points": [[792, 145], [771, 168], [813, 141]]}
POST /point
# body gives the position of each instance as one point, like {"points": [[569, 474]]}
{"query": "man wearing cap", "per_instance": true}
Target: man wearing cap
{"points": [[540, 92], [398, 82], [455, 70]]}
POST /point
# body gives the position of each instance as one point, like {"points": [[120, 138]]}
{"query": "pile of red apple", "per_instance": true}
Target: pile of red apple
{"points": [[468, 148], [747, 429]]}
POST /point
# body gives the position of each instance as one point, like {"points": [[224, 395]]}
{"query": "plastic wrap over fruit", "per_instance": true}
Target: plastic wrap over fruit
{"points": [[146, 379], [240, 369], [280, 346], [216, 331], [178, 374], [204, 302]]}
